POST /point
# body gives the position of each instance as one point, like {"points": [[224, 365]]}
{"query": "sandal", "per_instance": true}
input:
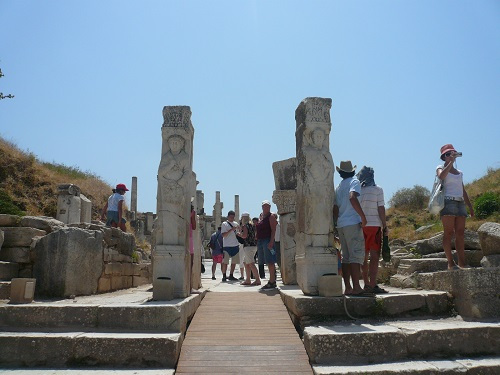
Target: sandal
{"points": [[255, 283], [378, 290], [245, 283]]}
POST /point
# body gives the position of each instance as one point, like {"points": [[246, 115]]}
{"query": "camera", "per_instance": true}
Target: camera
{"points": [[458, 154]]}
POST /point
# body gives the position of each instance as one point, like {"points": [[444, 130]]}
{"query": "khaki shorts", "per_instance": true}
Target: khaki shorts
{"points": [[235, 258], [249, 254], [352, 243]]}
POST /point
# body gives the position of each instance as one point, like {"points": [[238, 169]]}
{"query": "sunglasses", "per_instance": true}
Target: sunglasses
{"points": [[448, 154]]}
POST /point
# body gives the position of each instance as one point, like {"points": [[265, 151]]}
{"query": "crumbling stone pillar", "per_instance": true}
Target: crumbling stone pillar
{"points": [[237, 207], [218, 206], [285, 198], [175, 188], [133, 196], [315, 253], [200, 202]]}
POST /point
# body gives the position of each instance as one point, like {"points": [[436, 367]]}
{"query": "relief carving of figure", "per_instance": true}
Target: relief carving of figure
{"points": [[174, 170], [319, 181]]}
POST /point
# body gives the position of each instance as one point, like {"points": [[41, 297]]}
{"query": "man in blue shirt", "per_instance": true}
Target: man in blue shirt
{"points": [[350, 219]]}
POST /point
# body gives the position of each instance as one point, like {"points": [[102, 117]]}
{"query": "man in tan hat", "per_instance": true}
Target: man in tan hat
{"points": [[350, 219]]}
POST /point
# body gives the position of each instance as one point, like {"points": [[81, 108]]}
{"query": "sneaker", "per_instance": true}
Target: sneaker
{"points": [[224, 278], [241, 278], [232, 278], [213, 277]]}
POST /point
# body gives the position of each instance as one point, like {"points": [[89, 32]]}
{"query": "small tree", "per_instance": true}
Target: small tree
{"points": [[415, 198], [2, 96]]}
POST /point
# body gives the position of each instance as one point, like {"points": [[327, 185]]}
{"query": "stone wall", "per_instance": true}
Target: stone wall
{"points": [[66, 260]]}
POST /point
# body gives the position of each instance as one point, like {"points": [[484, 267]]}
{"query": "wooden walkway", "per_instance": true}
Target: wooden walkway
{"points": [[242, 333]]}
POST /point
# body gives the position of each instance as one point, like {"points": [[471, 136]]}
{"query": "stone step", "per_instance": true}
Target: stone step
{"points": [[483, 366], [145, 317], [8, 270], [472, 257], [88, 371], [4, 290], [367, 343], [409, 266], [76, 348], [305, 310]]}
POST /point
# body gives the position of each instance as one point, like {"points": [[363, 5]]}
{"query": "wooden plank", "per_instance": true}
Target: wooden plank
{"points": [[242, 333]]}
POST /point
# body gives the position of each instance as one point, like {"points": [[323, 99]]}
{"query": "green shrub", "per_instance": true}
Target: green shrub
{"points": [[7, 205], [486, 204], [415, 198]]}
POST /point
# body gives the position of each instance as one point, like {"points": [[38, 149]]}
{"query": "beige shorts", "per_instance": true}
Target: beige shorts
{"points": [[234, 260], [352, 244], [249, 254]]}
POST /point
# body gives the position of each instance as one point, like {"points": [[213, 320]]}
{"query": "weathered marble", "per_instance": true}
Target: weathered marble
{"points": [[175, 190], [133, 195], [315, 254], [489, 237], [218, 206]]}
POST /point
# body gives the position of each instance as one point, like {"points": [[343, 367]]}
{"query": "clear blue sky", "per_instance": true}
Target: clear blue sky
{"points": [[91, 78]]}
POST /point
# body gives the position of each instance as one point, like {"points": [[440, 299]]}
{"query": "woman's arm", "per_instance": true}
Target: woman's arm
{"points": [[448, 165], [467, 202]]}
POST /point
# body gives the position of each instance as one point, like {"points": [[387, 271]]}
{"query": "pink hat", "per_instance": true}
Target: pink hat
{"points": [[447, 148]]}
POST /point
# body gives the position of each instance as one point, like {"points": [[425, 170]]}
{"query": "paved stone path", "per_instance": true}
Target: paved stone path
{"points": [[260, 340]]}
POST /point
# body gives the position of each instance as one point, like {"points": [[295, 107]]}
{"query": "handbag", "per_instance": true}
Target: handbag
{"points": [[436, 202]]}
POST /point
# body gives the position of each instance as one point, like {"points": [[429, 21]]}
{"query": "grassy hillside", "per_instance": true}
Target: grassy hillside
{"points": [[404, 222], [29, 186]]}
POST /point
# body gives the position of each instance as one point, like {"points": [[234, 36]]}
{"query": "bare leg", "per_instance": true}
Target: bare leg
{"points": [[255, 272], [365, 269], [214, 267], [346, 275], [247, 269], [459, 240], [374, 257], [242, 271], [449, 230], [355, 269]]}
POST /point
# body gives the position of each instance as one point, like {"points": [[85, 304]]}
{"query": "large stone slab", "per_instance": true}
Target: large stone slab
{"points": [[68, 262], [472, 257], [47, 224], [9, 220], [475, 290], [15, 254], [409, 266], [20, 236], [491, 261], [118, 240], [435, 243], [489, 236]]}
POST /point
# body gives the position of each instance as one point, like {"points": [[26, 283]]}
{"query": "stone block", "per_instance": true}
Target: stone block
{"points": [[68, 262], [127, 269], [45, 223], [25, 270], [435, 243], [113, 269], [398, 304], [472, 257], [104, 285], [409, 266], [285, 174], [116, 283], [1, 238], [136, 269], [15, 254], [4, 290], [354, 344], [8, 270], [491, 261], [22, 290], [9, 220], [86, 209], [48, 316], [20, 236], [138, 281], [489, 236], [122, 242]]}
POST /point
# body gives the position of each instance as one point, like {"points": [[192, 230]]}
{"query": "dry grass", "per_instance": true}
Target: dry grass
{"points": [[32, 185]]}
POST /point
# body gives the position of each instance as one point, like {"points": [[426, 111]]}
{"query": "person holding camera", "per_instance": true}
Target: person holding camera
{"points": [[454, 212]]}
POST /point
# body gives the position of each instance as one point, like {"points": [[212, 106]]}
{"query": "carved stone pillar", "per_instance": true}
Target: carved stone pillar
{"points": [[315, 254], [176, 185], [68, 204]]}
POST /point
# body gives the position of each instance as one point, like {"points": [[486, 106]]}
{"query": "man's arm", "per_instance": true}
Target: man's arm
{"points": [[225, 234], [335, 213], [273, 222], [353, 198], [381, 215]]}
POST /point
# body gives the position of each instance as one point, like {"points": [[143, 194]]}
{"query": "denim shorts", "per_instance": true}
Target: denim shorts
{"points": [[262, 249], [112, 217], [453, 208]]}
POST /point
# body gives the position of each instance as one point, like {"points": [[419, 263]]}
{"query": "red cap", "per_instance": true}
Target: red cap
{"points": [[447, 148], [121, 187]]}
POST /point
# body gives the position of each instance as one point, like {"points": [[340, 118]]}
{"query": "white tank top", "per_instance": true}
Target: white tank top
{"points": [[453, 185]]}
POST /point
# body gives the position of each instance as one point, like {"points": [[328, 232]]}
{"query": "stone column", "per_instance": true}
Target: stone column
{"points": [[133, 196], [218, 210], [285, 198], [176, 186], [196, 270], [200, 202], [68, 204], [315, 253], [237, 207]]}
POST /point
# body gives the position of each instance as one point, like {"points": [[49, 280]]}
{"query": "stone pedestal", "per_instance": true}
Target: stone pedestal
{"points": [[330, 286], [176, 187], [315, 253], [85, 209], [68, 204]]}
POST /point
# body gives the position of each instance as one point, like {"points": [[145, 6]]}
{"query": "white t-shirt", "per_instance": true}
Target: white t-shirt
{"points": [[453, 184], [371, 198], [113, 201], [230, 240]]}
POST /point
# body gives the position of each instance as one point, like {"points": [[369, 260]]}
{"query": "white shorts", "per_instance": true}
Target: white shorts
{"points": [[249, 254]]}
